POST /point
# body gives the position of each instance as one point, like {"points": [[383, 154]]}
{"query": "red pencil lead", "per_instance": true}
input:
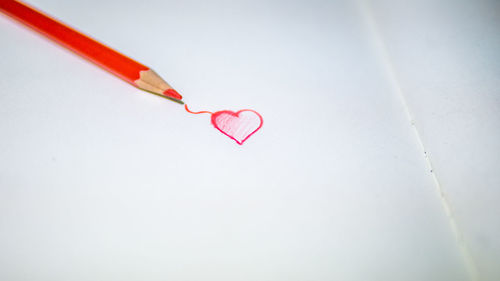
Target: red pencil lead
{"points": [[173, 94]]}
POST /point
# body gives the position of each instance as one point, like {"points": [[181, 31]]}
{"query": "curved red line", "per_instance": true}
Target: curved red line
{"points": [[197, 112]]}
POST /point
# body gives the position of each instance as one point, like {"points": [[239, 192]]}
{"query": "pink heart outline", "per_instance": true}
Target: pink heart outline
{"points": [[237, 115]]}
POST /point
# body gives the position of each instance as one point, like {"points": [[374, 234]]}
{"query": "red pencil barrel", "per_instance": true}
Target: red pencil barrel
{"points": [[109, 59]]}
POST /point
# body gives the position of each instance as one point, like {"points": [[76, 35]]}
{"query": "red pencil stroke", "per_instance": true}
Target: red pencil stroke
{"points": [[198, 112], [239, 125]]}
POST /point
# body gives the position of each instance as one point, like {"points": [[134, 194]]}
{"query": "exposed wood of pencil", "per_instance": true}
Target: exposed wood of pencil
{"points": [[150, 81], [126, 68]]}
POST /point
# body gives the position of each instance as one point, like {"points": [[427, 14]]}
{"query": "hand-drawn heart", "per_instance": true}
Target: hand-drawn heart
{"points": [[238, 125]]}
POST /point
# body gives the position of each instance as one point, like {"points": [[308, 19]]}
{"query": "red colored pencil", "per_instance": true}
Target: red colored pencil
{"points": [[126, 68]]}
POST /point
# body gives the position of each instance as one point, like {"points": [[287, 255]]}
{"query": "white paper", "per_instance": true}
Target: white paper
{"points": [[99, 180]]}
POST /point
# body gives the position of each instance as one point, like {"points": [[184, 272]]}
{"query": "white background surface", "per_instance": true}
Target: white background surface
{"points": [[99, 180], [445, 55]]}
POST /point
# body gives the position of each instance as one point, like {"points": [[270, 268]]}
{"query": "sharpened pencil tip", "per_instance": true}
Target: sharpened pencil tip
{"points": [[173, 94]]}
